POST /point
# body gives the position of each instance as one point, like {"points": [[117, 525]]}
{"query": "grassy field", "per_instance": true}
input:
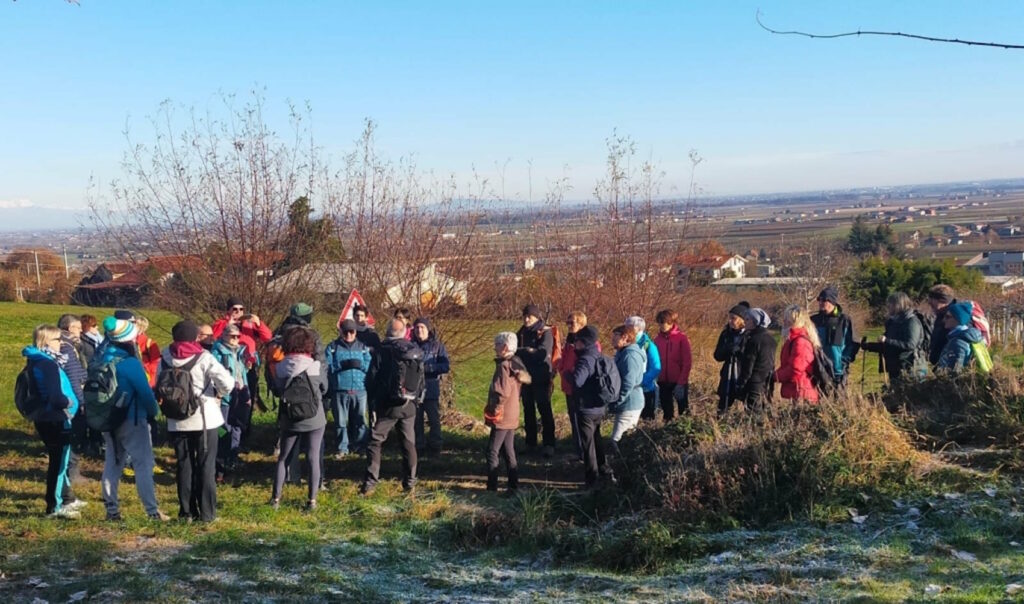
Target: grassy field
{"points": [[956, 537]]}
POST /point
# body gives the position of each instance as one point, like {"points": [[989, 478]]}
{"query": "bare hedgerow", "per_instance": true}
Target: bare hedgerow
{"points": [[787, 462]]}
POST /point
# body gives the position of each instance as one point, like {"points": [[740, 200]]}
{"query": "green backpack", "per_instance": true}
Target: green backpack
{"points": [[982, 359], [105, 406]]}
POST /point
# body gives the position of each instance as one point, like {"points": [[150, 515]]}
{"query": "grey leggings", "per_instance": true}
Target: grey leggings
{"points": [[289, 440]]}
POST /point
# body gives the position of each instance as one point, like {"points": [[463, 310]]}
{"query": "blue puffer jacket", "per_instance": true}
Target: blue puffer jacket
{"points": [[233, 361], [131, 381], [647, 346], [54, 386], [435, 364], [957, 352], [347, 365], [631, 363]]}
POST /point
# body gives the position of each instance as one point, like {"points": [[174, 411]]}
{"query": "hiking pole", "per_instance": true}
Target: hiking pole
{"points": [[863, 364]]}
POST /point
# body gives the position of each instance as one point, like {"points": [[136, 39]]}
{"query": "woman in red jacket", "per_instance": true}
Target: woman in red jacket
{"points": [[797, 362], [676, 362]]}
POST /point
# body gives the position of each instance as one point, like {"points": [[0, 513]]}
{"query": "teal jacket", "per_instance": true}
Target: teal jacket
{"points": [[234, 362], [956, 354], [631, 363], [54, 386], [132, 382], [647, 346]]}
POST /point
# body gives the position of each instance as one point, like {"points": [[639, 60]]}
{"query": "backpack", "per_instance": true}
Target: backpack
{"points": [[299, 398], [406, 379], [27, 399], [609, 383], [174, 392], [982, 359], [980, 322], [105, 406], [273, 353], [822, 371], [556, 348], [927, 326]]}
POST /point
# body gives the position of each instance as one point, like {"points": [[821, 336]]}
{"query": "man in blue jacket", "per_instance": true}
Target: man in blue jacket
{"points": [[348, 360], [133, 437]]}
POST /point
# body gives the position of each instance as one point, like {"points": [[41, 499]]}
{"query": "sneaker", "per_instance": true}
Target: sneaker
{"points": [[275, 504], [76, 505], [65, 513], [340, 455], [366, 489], [114, 517], [311, 506], [162, 517]]}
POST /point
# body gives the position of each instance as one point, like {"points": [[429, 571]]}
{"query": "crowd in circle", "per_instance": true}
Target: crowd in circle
{"points": [[97, 388]]}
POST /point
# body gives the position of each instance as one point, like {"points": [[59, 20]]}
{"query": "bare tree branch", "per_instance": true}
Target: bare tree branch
{"points": [[896, 34]]}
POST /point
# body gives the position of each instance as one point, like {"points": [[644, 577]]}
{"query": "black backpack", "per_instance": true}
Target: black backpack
{"points": [[607, 380], [178, 400], [406, 377], [299, 398], [822, 372], [27, 399], [927, 326]]}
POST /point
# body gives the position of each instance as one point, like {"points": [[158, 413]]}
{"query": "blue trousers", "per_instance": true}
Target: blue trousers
{"points": [[349, 410]]}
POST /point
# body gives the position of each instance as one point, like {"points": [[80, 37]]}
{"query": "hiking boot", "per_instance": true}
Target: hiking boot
{"points": [[65, 514], [159, 516], [366, 489], [114, 517]]}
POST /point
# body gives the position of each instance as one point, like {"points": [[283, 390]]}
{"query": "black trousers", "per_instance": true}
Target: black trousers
{"points": [[57, 440], [407, 432], [537, 398], [593, 449], [669, 401], [196, 452], [650, 404], [502, 442]]}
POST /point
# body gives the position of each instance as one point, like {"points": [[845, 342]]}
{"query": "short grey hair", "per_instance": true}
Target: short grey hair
{"points": [[637, 323], [65, 321], [507, 339], [396, 329]]}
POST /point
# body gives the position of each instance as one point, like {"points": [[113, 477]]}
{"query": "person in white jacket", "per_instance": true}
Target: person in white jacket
{"points": [[195, 438]]}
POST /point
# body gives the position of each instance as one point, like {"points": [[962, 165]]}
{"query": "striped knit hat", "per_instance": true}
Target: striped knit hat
{"points": [[118, 330]]}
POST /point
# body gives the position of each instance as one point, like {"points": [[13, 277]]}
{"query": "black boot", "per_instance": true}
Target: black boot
{"points": [[492, 480], [513, 479]]}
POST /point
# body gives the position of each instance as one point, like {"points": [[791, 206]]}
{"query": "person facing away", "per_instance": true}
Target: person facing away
{"points": [[502, 410], [60, 405], [757, 361], [435, 365], [395, 386], [576, 321], [796, 363], [676, 363], [835, 332], [727, 352], [632, 364], [960, 335], [535, 346], [301, 315], [194, 438], [901, 343], [650, 350], [592, 410], [302, 382], [348, 360], [132, 438]]}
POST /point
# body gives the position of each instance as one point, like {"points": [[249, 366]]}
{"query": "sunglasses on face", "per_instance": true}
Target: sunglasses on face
{"points": [[238, 309], [347, 331]]}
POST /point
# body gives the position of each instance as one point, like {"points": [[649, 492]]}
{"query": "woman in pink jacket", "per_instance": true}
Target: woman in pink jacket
{"points": [[676, 362], [797, 362]]}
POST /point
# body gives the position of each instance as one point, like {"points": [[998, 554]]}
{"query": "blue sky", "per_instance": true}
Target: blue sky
{"points": [[460, 85]]}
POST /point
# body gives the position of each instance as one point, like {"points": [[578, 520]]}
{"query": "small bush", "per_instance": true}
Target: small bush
{"points": [[760, 468], [965, 409]]}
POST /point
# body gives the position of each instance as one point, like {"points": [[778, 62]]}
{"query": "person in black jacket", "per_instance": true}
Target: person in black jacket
{"points": [[364, 331], [535, 346], [727, 352], [940, 298], [757, 363], [592, 410], [71, 362], [435, 364], [902, 344], [390, 410]]}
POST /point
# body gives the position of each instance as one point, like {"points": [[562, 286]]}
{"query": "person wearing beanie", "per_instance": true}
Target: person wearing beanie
{"points": [[960, 337], [301, 315], [592, 410], [835, 331], [236, 405], [194, 438], [348, 360], [653, 357], [435, 364], [940, 297], [727, 352], [535, 346], [254, 333], [756, 385], [124, 315], [132, 439]]}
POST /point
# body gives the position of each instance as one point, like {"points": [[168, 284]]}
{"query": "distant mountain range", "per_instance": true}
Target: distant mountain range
{"points": [[38, 218]]}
